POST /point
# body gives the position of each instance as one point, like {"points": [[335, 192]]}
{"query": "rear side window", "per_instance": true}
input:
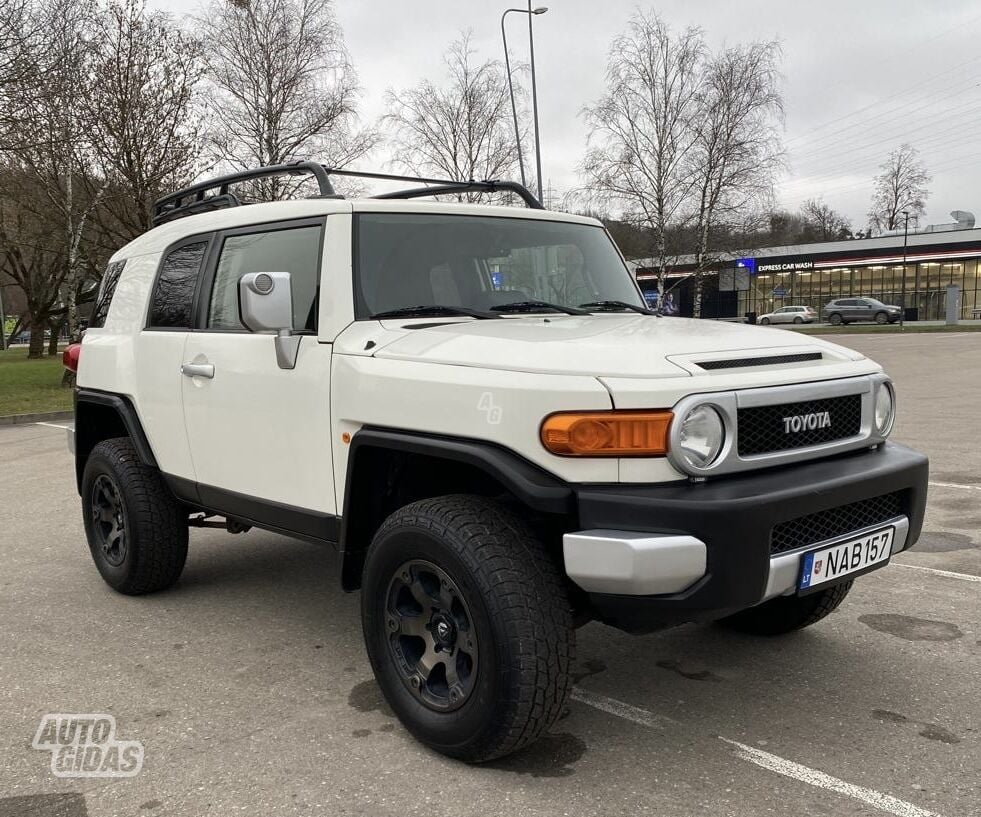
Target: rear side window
{"points": [[104, 297], [173, 295], [295, 250]]}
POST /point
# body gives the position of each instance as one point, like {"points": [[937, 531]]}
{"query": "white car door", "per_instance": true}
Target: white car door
{"points": [[259, 434]]}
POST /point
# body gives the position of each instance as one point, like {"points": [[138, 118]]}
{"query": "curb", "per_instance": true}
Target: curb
{"points": [[39, 417]]}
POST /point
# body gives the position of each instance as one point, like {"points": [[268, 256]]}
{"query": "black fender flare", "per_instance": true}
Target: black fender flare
{"points": [[122, 406], [527, 482]]}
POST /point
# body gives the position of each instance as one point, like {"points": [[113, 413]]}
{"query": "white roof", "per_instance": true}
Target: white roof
{"points": [[157, 239]]}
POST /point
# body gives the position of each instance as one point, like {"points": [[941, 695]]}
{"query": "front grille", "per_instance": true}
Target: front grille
{"points": [[818, 527], [771, 360], [763, 429]]}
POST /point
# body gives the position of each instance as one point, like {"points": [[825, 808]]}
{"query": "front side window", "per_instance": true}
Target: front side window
{"points": [[295, 250], [173, 294], [484, 263]]}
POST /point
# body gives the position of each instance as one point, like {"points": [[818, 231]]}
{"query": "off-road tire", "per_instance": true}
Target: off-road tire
{"points": [[154, 522], [785, 614], [881, 318], [521, 619], [764, 321], [835, 319]]}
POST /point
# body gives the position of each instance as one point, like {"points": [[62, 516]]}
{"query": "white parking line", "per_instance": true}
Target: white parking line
{"points": [[621, 709], [772, 763], [949, 574], [53, 425], [957, 485]]}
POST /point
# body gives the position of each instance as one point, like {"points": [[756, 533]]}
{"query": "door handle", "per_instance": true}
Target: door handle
{"points": [[198, 370]]}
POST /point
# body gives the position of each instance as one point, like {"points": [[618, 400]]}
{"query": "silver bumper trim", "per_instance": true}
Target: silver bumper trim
{"points": [[71, 440], [632, 563], [785, 568]]}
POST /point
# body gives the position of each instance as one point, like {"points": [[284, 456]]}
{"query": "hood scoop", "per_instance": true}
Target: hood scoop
{"points": [[767, 360]]}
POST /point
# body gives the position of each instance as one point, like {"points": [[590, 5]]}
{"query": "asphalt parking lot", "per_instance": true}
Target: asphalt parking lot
{"points": [[249, 688]]}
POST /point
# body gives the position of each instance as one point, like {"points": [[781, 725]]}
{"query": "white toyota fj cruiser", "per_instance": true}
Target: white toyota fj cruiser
{"points": [[473, 404]]}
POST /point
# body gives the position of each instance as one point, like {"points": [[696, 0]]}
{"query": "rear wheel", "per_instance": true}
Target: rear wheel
{"points": [[785, 614], [136, 530], [835, 319], [881, 318], [798, 319], [467, 626]]}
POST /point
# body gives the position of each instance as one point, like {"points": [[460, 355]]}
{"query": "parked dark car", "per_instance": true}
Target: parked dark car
{"points": [[853, 310]]}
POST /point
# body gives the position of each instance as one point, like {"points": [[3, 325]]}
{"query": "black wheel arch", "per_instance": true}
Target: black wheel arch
{"points": [[100, 416], [389, 468]]}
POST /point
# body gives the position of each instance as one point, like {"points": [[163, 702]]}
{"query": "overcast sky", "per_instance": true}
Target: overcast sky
{"points": [[859, 78]]}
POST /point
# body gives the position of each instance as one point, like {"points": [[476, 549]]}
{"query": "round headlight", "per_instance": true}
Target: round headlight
{"points": [[701, 436], [885, 409]]}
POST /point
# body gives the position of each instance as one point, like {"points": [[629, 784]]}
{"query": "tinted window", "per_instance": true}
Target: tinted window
{"points": [[173, 295], [296, 251], [104, 297]]}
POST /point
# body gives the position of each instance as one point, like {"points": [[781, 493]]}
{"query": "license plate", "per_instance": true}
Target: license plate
{"points": [[851, 556]]}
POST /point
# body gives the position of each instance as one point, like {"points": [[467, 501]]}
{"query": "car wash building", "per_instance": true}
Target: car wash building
{"points": [[758, 281]]}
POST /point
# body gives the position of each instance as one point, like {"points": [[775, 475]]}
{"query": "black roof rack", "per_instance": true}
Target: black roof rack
{"points": [[195, 198]]}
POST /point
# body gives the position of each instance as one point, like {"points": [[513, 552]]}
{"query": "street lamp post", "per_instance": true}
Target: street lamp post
{"points": [[534, 91], [902, 311]]}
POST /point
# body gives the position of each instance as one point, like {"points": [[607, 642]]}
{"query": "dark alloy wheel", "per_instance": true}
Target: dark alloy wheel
{"points": [[432, 638], [136, 529], [881, 318], [468, 626], [835, 319], [108, 519]]}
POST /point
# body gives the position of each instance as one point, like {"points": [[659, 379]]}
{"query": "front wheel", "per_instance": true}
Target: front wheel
{"points": [[764, 321], [881, 318], [467, 625], [835, 319], [785, 614]]}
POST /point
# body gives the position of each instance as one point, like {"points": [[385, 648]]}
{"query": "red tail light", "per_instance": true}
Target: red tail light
{"points": [[69, 357]]}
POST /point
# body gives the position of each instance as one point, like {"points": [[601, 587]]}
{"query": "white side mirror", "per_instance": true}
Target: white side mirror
{"points": [[265, 301]]}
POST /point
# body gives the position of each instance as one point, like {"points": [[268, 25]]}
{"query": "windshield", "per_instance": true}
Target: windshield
{"points": [[484, 263]]}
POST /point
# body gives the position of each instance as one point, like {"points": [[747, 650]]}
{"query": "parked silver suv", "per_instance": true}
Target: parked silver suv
{"points": [[850, 310]]}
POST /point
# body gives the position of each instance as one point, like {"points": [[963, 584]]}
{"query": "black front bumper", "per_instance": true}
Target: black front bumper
{"points": [[734, 517]]}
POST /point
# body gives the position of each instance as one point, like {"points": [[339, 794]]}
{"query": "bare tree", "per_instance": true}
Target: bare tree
{"points": [[642, 129], [737, 150], [144, 130], [823, 223], [57, 159], [19, 35], [460, 129], [31, 253], [901, 186], [283, 85]]}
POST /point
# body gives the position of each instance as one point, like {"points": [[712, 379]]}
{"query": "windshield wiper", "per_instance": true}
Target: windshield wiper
{"points": [[426, 310], [612, 306], [538, 306]]}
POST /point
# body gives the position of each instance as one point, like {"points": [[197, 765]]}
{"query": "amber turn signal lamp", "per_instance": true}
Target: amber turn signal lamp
{"points": [[607, 433]]}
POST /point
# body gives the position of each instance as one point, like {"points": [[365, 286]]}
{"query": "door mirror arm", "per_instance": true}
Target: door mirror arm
{"points": [[287, 348]]}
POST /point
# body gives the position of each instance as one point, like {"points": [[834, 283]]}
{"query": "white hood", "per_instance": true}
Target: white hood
{"points": [[615, 345]]}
